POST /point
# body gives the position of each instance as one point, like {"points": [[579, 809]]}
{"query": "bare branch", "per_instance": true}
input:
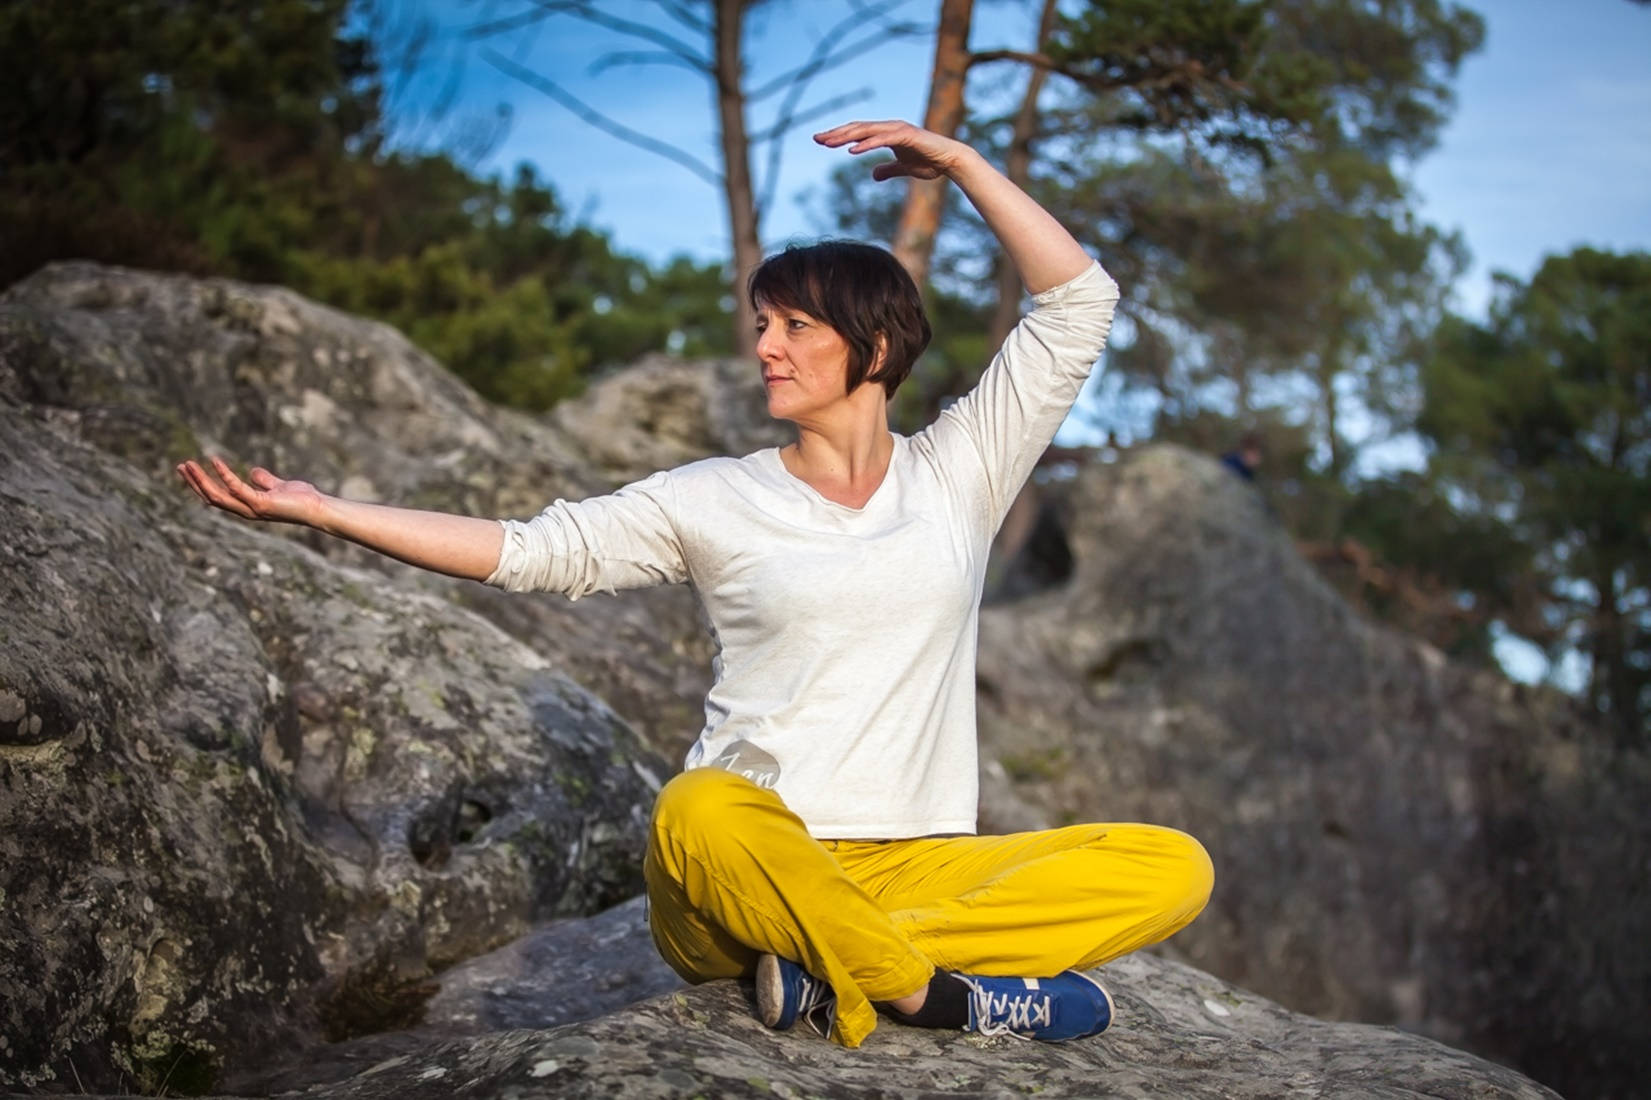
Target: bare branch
{"points": [[503, 25], [584, 10], [603, 122], [796, 84], [639, 57], [684, 15], [825, 58], [877, 12], [1041, 61], [786, 125]]}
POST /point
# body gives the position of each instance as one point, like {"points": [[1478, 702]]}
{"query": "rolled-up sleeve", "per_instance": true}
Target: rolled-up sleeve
{"points": [[626, 539]]}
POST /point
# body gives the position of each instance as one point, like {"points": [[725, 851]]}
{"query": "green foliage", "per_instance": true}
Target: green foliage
{"points": [[1232, 162], [247, 141], [1542, 422]]}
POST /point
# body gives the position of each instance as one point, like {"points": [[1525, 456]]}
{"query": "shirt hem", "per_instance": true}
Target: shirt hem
{"points": [[890, 831]]}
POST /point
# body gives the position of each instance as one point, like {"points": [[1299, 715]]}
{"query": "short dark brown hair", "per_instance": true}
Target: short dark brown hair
{"points": [[858, 289]]}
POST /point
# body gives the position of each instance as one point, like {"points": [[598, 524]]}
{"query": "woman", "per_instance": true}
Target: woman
{"points": [[822, 835]]}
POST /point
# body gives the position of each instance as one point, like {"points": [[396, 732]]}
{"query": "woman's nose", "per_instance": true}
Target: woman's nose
{"points": [[768, 345]]}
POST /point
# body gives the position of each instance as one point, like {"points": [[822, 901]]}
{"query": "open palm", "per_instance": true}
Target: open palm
{"points": [[266, 497]]}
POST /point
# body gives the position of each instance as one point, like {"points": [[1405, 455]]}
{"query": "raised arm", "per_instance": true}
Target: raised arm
{"points": [[999, 428], [1042, 250], [460, 546]]}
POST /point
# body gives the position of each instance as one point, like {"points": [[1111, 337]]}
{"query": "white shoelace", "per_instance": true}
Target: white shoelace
{"points": [[1002, 1014]]}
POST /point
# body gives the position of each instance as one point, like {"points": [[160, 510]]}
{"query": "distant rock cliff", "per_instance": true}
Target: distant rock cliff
{"points": [[260, 788]]}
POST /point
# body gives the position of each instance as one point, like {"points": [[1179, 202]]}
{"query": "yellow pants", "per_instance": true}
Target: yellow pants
{"points": [[732, 874]]}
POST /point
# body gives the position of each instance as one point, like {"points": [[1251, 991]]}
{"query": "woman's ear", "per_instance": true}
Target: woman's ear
{"points": [[881, 357]]}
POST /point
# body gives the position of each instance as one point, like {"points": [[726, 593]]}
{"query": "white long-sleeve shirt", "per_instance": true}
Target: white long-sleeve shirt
{"points": [[845, 678]]}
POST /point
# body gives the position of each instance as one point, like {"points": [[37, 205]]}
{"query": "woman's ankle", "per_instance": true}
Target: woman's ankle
{"points": [[944, 1002]]}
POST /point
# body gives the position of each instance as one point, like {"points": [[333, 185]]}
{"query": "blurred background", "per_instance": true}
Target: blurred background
{"points": [[1388, 257]]}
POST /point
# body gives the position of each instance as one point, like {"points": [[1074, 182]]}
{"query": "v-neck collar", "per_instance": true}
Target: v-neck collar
{"points": [[815, 494]]}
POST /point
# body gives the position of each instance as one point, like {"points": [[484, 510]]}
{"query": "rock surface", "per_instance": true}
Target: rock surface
{"points": [[1179, 1033], [156, 368], [1396, 839], [283, 783], [246, 793]]}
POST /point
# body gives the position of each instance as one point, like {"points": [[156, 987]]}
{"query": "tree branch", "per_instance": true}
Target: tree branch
{"points": [[823, 59], [791, 122], [640, 57], [603, 122], [684, 15], [500, 26], [583, 10], [798, 83], [1186, 73]]}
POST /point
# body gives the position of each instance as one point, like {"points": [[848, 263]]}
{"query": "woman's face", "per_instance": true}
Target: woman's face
{"points": [[804, 362]]}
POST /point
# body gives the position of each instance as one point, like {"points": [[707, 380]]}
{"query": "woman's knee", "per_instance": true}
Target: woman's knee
{"points": [[704, 799], [1192, 874]]}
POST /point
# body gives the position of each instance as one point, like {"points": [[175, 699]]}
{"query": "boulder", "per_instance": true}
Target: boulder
{"points": [[662, 413], [1179, 1033], [1396, 838], [249, 796], [154, 368]]}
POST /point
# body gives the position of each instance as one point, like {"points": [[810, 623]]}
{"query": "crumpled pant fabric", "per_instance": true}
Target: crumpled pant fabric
{"points": [[732, 875]]}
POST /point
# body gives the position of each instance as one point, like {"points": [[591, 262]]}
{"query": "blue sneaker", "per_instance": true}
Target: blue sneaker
{"points": [[786, 993], [1071, 1005]]}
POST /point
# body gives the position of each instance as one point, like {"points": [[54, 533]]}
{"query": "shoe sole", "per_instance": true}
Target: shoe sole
{"points": [[771, 993]]}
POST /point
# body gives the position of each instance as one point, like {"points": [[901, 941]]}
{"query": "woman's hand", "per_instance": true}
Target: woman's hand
{"points": [[1041, 249], [919, 153], [268, 497]]}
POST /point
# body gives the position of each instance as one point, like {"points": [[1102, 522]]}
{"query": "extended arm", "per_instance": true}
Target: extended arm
{"points": [[460, 546], [1043, 251]]}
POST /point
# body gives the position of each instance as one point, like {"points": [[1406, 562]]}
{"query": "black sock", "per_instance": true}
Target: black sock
{"points": [[947, 1004]]}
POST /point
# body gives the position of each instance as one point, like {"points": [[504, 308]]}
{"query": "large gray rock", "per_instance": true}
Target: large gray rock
{"points": [[662, 413], [155, 368], [248, 795], [1396, 838], [570, 971], [1179, 1033]]}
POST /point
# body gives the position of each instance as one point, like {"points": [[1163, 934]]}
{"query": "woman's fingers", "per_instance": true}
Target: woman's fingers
{"points": [[249, 497], [865, 135], [213, 493], [218, 496]]}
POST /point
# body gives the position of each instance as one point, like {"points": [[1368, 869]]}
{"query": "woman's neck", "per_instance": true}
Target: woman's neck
{"points": [[844, 457]]}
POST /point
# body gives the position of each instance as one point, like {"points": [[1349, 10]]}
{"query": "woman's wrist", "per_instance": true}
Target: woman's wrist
{"points": [[324, 515], [970, 167]]}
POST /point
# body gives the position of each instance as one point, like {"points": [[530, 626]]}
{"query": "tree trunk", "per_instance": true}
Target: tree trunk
{"points": [[920, 217], [736, 172], [1329, 404], [1018, 167], [1611, 689]]}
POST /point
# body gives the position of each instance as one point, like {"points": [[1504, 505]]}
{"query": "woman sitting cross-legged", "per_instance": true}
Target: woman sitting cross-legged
{"points": [[821, 838]]}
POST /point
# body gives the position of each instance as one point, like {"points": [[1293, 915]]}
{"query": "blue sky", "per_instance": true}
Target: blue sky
{"points": [[1549, 148]]}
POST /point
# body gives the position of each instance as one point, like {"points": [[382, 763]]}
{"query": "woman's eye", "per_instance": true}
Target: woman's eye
{"points": [[794, 324]]}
